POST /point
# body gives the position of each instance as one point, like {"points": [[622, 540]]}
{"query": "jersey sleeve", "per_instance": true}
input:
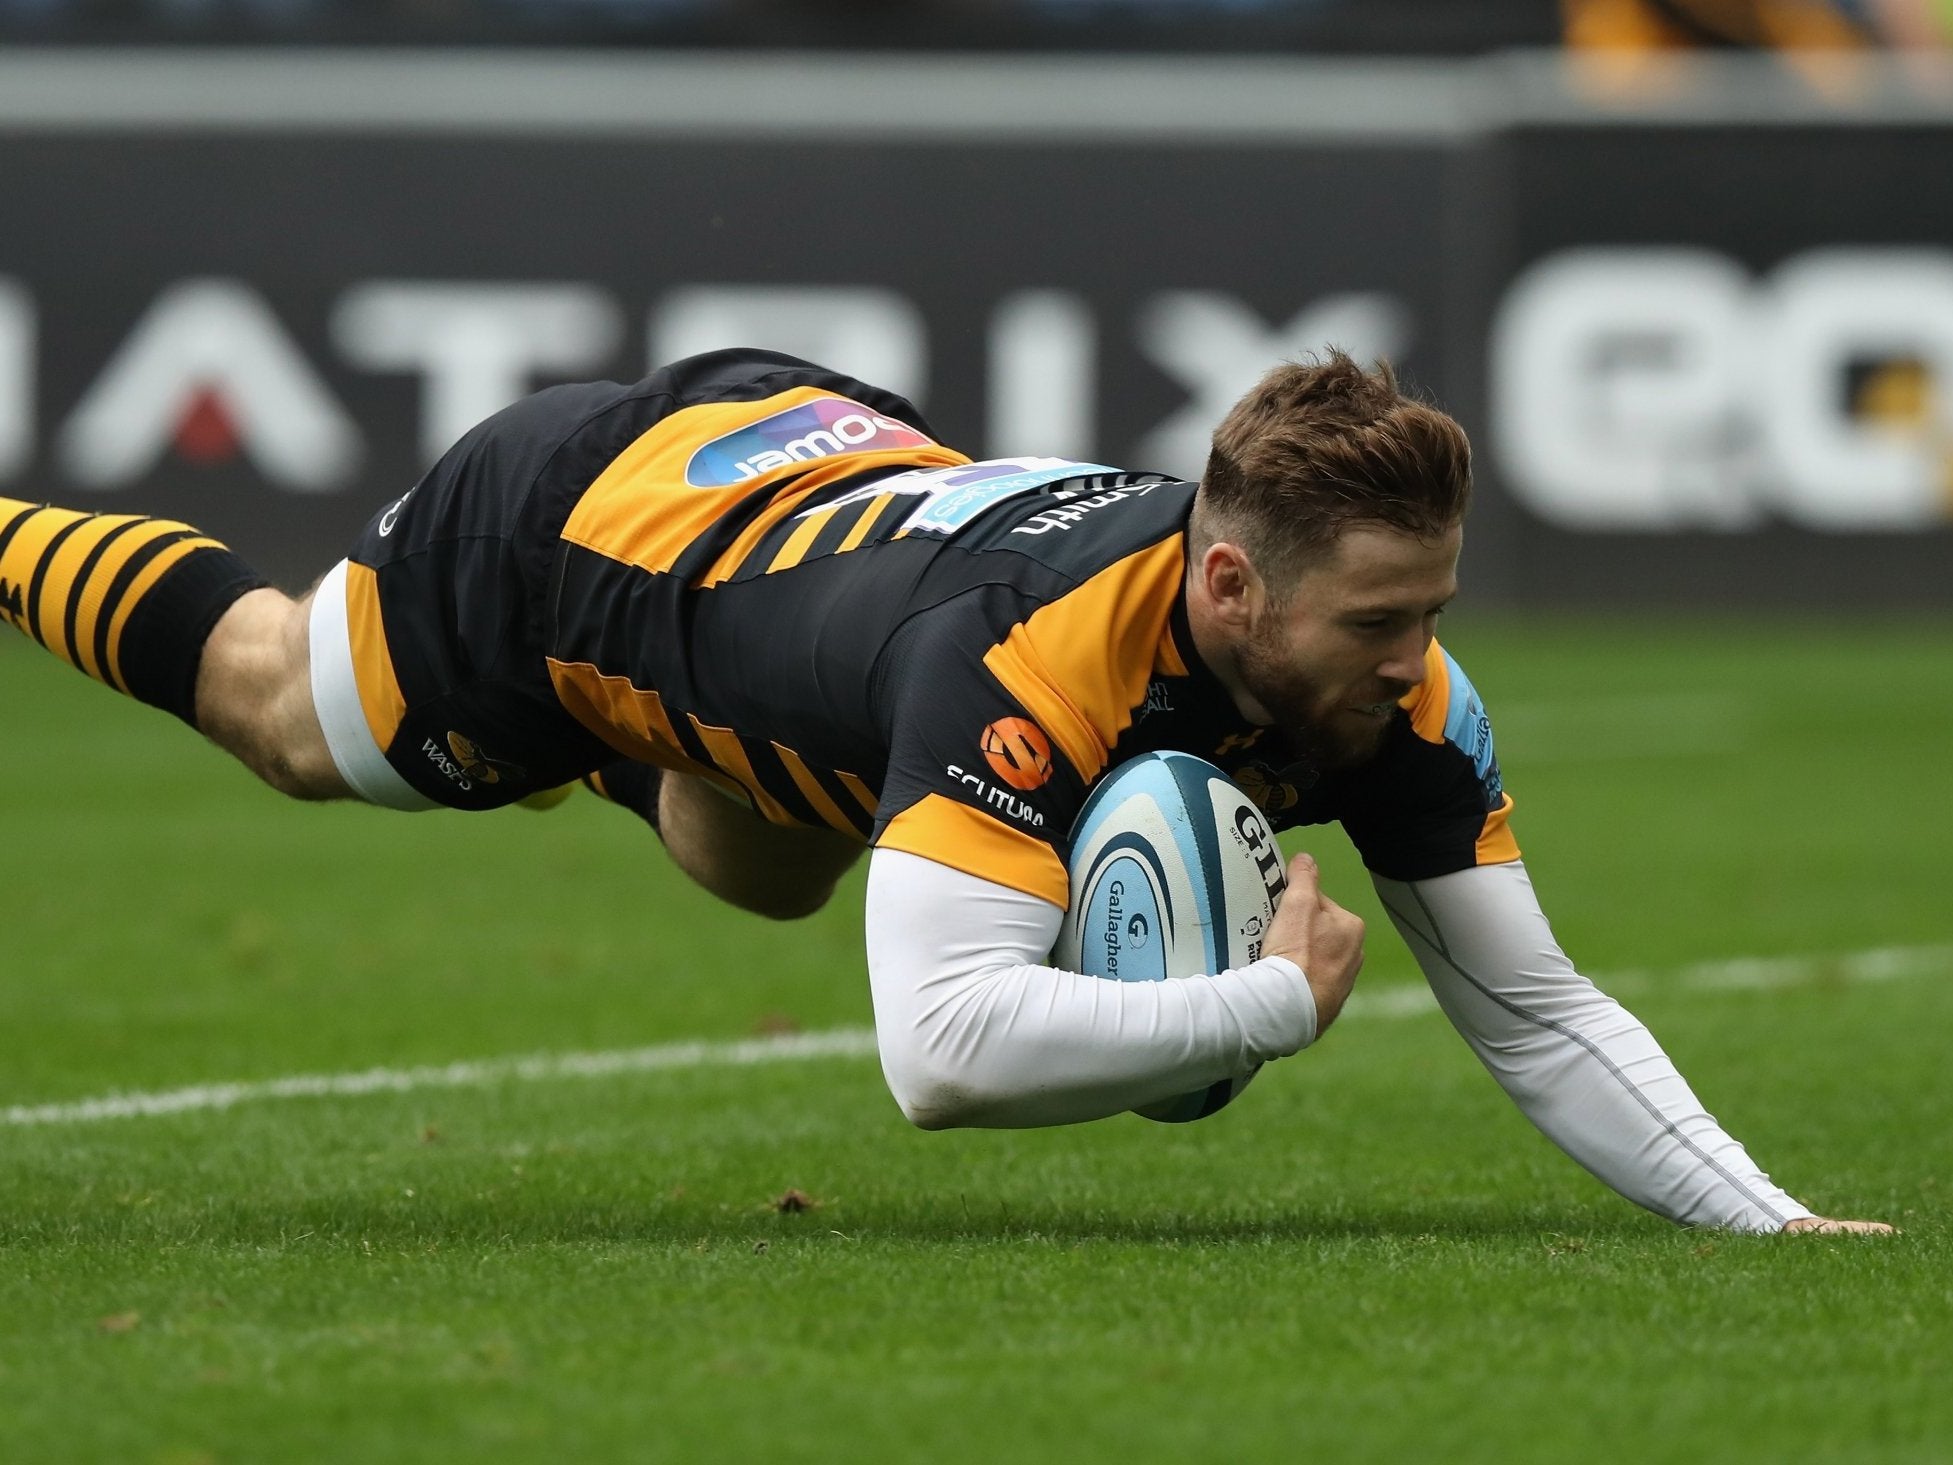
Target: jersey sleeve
{"points": [[974, 1029], [1578, 1064], [1004, 705], [976, 780], [1433, 802]]}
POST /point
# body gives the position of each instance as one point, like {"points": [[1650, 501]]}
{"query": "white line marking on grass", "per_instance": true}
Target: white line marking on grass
{"points": [[833, 1043], [1766, 973], [1745, 974], [1738, 974]]}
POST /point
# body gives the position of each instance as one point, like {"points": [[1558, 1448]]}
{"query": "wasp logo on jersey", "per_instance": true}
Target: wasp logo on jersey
{"points": [[817, 429], [1273, 793], [476, 764], [1018, 752]]}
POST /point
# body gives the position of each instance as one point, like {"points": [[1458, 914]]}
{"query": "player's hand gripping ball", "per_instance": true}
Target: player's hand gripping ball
{"points": [[1174, 873]]}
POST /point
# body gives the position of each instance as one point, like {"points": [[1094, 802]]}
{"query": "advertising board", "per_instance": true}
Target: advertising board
{"points": [[1706, 355], [1719, 363], [273, 336]]}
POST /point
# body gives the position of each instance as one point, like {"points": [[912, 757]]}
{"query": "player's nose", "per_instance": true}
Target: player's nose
{"points": [[1404, 665]]}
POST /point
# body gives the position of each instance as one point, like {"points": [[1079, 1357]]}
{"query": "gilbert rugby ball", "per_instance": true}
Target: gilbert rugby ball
{"points": [[1174, 873]]}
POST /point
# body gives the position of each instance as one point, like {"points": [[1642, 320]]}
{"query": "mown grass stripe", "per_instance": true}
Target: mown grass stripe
{"points": [[1739, 974]]}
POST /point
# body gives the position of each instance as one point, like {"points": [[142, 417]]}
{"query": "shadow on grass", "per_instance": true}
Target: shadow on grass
{"points": [[947, 1221]]}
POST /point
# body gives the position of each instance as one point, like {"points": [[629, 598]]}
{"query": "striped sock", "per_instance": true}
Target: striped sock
{"points": [[126, 600]]}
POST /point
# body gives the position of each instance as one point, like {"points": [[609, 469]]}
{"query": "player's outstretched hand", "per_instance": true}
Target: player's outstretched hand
{"points": [[1319, 936], [1825, 1226]]}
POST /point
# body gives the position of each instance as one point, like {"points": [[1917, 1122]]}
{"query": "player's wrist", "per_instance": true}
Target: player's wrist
{"points": [[1300, 1021]]}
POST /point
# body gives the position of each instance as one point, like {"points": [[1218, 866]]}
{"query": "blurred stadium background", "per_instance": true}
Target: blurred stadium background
{"points": [[1685, 267]]}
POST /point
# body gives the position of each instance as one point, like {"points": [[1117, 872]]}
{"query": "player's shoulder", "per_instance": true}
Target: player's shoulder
{"points": [[1445, 709], [1076, 519], [1433, 801], [1090, 549]]}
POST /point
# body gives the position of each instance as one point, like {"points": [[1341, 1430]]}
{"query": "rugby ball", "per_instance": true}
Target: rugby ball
{"points": [[1174, 873]]}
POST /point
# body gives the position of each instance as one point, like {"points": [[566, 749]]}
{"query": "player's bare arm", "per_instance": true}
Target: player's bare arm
{"points": [[772, 871]]}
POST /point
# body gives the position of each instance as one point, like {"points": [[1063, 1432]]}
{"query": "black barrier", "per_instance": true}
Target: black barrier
{"points": [[1700, 361], [273, 337], [1717, 363]]}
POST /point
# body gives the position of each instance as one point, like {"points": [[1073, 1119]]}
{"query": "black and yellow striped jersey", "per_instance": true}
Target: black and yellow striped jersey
{"points": [[797, 593]]}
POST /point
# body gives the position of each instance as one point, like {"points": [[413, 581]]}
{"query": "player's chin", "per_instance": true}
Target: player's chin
{"points": [[1355, 735]]}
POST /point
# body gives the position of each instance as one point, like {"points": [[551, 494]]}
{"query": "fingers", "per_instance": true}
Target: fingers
{"points": [[1304, 877], [1319, 936], [1825, 1226]]}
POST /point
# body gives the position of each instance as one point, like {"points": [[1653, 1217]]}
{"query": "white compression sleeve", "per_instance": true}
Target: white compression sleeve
{"points": [[1578, 1064], [973, 1030]]}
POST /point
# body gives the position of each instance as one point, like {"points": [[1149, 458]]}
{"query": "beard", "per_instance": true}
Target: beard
{"points": [[1324, 733]]}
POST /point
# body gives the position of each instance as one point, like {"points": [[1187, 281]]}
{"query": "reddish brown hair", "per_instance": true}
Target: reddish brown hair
{"points": [[1318, 446]]}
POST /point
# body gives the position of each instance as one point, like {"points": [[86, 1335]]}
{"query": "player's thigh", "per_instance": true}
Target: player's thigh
{"points": [[254, 695], [770, 869], [430, 685], [428, 667]]}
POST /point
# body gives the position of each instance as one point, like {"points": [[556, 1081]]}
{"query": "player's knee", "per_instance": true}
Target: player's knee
{"points": [[294, 774]]}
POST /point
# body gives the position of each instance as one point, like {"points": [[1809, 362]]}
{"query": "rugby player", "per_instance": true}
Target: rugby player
{"points": [[758, 603]]}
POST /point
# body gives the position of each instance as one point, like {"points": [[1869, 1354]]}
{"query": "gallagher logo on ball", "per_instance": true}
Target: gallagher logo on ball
{"points": [[817, 429], [1018, 752]]}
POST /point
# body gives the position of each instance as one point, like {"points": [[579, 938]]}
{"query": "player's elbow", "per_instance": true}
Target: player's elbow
{"points": [[934, 1101], [931, 1089], [935, 1112]]}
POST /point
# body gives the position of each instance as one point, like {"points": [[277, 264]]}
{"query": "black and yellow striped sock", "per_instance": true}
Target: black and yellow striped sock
{"points": [[127, 600]]}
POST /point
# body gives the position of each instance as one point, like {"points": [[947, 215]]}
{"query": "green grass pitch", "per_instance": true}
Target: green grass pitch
{"points": [[1369, 1257]]}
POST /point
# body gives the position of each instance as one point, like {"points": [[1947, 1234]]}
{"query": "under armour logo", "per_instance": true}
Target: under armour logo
{"points": [[12, 604], [1239, 742]]}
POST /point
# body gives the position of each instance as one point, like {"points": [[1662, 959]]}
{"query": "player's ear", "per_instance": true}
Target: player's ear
{"points": [[1233, 586]]}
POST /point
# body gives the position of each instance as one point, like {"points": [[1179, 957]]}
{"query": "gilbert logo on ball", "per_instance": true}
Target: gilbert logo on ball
{"points": [[1018, 752]]}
